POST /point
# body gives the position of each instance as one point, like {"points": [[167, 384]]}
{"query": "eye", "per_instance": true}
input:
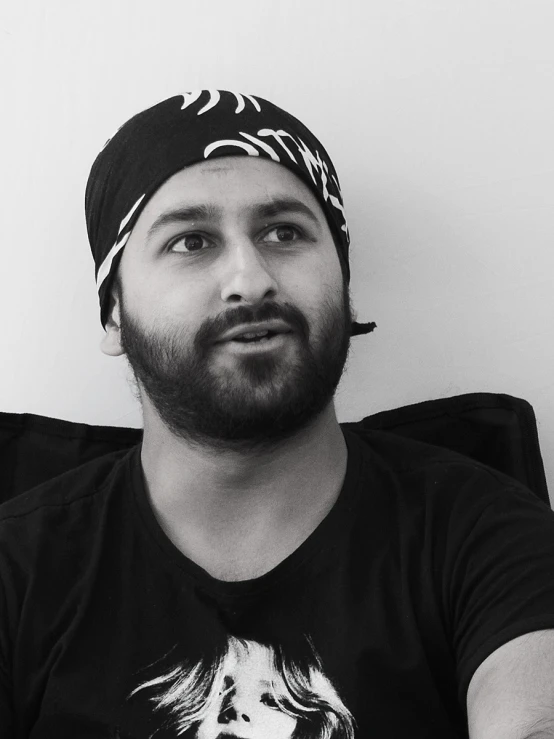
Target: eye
{"points": [[269, 700], [285, 229], [193, 242]]}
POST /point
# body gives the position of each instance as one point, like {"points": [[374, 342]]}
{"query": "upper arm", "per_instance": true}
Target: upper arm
{"points": [[6, 708], [6, 715], [511, 693]]}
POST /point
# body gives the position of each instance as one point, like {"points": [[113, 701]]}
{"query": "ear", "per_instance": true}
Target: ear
{"points": [[111, 341]]}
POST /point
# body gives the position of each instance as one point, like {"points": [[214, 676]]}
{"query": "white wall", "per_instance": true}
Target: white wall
{"points": [[439, 115]]}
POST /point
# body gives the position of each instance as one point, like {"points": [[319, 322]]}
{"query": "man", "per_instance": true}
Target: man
{"points": [[254, 568]]}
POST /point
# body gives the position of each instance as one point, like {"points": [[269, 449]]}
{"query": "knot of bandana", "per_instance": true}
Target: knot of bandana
{"points": [[185, 129]]}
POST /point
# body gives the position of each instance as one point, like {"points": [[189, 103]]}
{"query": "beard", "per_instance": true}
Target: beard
{"points": [[255, 401]]}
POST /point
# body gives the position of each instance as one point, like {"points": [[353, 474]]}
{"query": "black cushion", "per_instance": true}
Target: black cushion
{"points": [[495, 429]]}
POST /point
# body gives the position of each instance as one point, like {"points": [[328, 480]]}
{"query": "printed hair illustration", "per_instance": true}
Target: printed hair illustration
{"points": [[252, 690]]}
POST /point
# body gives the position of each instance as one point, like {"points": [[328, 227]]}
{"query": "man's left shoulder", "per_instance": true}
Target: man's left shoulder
{"points": [[430, 467]]}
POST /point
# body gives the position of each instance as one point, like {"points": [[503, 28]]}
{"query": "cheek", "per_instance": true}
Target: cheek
{"points": [[309, 287], [281, 724], [166, 307], [207, 728], [325, 277]]}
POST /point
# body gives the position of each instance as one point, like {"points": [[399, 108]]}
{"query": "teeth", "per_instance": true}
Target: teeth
{"points": [[252, 336]]}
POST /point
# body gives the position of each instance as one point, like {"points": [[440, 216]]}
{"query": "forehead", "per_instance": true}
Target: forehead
{"points": [[254, 660], [232, 180]]}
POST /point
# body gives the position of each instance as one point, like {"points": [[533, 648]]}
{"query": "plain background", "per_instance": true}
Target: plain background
{"points": [[438, 114]]}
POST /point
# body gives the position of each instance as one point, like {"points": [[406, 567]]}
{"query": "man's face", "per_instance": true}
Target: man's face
{"points": [[189, 282]]}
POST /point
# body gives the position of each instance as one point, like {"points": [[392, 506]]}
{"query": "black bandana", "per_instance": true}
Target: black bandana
{"points": [[183, 130]]}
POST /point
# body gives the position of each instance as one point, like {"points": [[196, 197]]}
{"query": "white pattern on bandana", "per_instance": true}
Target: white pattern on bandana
{"points": [[313, 163], [191, 97]]}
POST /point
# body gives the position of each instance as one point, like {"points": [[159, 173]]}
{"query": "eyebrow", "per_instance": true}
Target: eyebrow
{"points": [[203, 212]]}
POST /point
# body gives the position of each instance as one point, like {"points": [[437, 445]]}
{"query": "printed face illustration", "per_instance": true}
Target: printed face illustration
{"points": [[245, 706]]}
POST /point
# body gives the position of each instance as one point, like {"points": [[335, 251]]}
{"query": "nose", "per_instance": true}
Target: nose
{"points": [[246, 275], [232, 714]]}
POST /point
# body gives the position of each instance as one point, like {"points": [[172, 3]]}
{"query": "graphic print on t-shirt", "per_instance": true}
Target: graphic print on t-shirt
{"points": [[251, 690]]}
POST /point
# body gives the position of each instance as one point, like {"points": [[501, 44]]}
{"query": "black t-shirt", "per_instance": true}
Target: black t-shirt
{"points": [[373, 627]]}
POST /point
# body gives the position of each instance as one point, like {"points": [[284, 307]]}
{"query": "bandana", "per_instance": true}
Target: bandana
{"points": [[183, 130]]}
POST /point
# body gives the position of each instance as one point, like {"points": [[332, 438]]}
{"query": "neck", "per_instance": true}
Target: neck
{"points": [[226, 511]]}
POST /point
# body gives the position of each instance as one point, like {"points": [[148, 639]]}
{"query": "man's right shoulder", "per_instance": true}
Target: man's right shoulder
{"points": [[92, 478]]}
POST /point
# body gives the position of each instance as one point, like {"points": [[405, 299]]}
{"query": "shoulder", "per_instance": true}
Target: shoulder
{"points": [[419, 469], [64, 491], [442, 496], [47, 533]]}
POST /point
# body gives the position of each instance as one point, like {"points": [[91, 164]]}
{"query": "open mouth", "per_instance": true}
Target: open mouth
{"points": [[256, 339], [261, 344]]}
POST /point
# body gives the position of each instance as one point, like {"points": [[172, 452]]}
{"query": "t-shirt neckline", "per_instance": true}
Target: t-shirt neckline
{"points": [[317, 546]]}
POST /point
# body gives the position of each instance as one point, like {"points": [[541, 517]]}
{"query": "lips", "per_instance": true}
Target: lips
{"points": [[271, 327], [249, 338]]}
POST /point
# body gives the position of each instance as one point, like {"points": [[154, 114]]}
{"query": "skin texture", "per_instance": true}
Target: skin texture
{"points": [[511, 693], [242, 454]]}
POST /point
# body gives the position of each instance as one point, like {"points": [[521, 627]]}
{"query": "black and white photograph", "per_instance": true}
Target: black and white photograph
{"points": [[277, 398]]}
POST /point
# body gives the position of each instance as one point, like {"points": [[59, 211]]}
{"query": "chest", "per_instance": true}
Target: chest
{"points": [[144, 651]]}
